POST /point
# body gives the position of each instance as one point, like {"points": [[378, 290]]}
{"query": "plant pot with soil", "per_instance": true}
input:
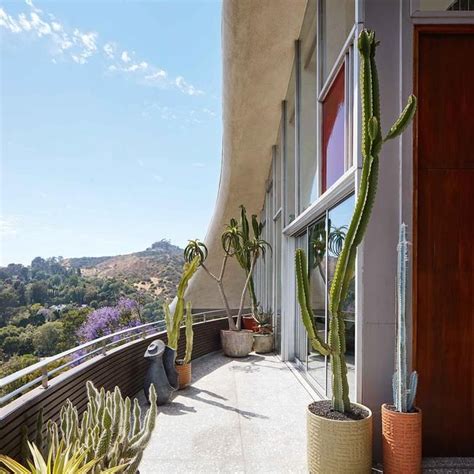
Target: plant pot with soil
{"points": [[402, 421], [340, 432], [237, 242]]}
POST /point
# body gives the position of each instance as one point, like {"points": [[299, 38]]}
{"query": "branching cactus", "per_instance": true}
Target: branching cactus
{"points": [[174, 321], [189, 334], [372, 142], [110, 430], [404, 387]]}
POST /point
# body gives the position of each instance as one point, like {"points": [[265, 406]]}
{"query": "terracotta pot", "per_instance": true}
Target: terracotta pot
{"points": [[236, 343], [248, 322], [262, 343], [184, 375], [401, 439], [339, 446]]}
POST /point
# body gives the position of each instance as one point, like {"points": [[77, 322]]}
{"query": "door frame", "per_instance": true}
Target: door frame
{"points": [[418, 29]]}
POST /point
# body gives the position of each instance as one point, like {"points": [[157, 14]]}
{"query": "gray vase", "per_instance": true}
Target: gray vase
{"points": [[161, 372]]}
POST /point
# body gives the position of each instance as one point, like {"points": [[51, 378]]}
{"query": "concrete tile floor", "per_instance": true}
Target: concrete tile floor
{"points": [[239, 416]]}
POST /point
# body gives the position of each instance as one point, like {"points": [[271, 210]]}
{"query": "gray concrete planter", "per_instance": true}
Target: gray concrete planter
{"points": [[236, 343], [263, 343]]}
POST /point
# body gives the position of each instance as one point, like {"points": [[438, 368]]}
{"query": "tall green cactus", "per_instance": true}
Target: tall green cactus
{"points": [[404, 387], [372, 142], [109, 430], [173, 322]]}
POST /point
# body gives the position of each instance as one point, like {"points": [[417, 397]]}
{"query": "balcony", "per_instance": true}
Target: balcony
{"points": [[240, 415]]}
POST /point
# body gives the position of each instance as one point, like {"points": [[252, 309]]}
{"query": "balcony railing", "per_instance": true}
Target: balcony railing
{"points": [[49, 367]]}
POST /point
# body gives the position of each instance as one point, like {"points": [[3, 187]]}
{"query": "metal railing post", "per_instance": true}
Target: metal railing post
{"points": [[44, 377]]}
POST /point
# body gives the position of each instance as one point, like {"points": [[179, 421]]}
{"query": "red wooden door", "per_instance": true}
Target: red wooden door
{"points": [[444, 237]]}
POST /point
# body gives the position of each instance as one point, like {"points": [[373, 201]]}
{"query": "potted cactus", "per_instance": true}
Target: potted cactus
{"points": [[340, 432], [173, 327], [402, 421], [236, 242], [183, 366], [263, 336]]}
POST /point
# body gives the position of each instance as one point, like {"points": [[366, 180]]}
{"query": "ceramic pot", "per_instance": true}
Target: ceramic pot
{"points": [[184, 374], [339, 446], [248, 322], [263, 343], [401, 441]]}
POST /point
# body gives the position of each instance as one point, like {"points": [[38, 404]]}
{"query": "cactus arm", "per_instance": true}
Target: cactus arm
{"points": [[189, 334], [412, 384], [305, 305], [404, 120]]}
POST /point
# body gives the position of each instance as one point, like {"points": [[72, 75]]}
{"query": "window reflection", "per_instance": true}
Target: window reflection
{"points": [[290, 151], [308, 157], [338, 221], [317, 278], [333, 132], [338, 18]]}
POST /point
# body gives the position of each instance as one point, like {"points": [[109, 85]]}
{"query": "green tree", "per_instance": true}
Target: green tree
{"points": [[48, 339]]}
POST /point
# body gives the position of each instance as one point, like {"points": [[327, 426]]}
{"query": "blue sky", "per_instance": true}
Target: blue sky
{"points": [[110, 125]]}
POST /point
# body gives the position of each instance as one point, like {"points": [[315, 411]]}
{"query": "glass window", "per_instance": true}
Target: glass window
{"points": [[290, 151], [333, 132], [277, 174], [338, 18], [277, 282], [317, 278], [446, 5], [308, 157], [338, 222], [325, 239]]}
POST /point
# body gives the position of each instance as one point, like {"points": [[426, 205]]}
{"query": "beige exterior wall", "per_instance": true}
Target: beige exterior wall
{"points": [[258, 50]]}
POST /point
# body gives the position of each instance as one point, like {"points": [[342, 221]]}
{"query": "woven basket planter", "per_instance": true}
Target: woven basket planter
{"points": [[401, 438], [184, 375], [339, 447]]}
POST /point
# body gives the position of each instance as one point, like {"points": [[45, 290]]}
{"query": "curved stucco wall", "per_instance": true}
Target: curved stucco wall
{"points": [[258, 51]]}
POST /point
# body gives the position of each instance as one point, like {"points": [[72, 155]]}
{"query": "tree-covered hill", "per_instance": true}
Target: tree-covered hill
{"points": [[43, 305]]}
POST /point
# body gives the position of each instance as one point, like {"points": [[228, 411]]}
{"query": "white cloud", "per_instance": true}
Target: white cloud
{"points": [[160, 74], [125, 57], [198, 164], [6, 21], [41, 27], [185, 87], [158, 178], [109, 50], [79, 46]]}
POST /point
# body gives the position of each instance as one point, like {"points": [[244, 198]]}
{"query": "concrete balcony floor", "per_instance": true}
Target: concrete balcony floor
{"points": [[240, 415]]}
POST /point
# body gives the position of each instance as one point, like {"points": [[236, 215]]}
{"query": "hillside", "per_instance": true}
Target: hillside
{"points": [[155, 270]]}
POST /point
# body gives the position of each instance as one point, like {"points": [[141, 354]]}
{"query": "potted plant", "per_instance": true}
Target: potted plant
{"points": [[173, 329], [236, 242], [183, 366], [263, 337], [402, 421], [340, 432]]}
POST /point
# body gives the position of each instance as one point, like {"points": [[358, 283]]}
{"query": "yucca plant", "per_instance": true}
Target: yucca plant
{"points": [[64, 461], [372, 142]]}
